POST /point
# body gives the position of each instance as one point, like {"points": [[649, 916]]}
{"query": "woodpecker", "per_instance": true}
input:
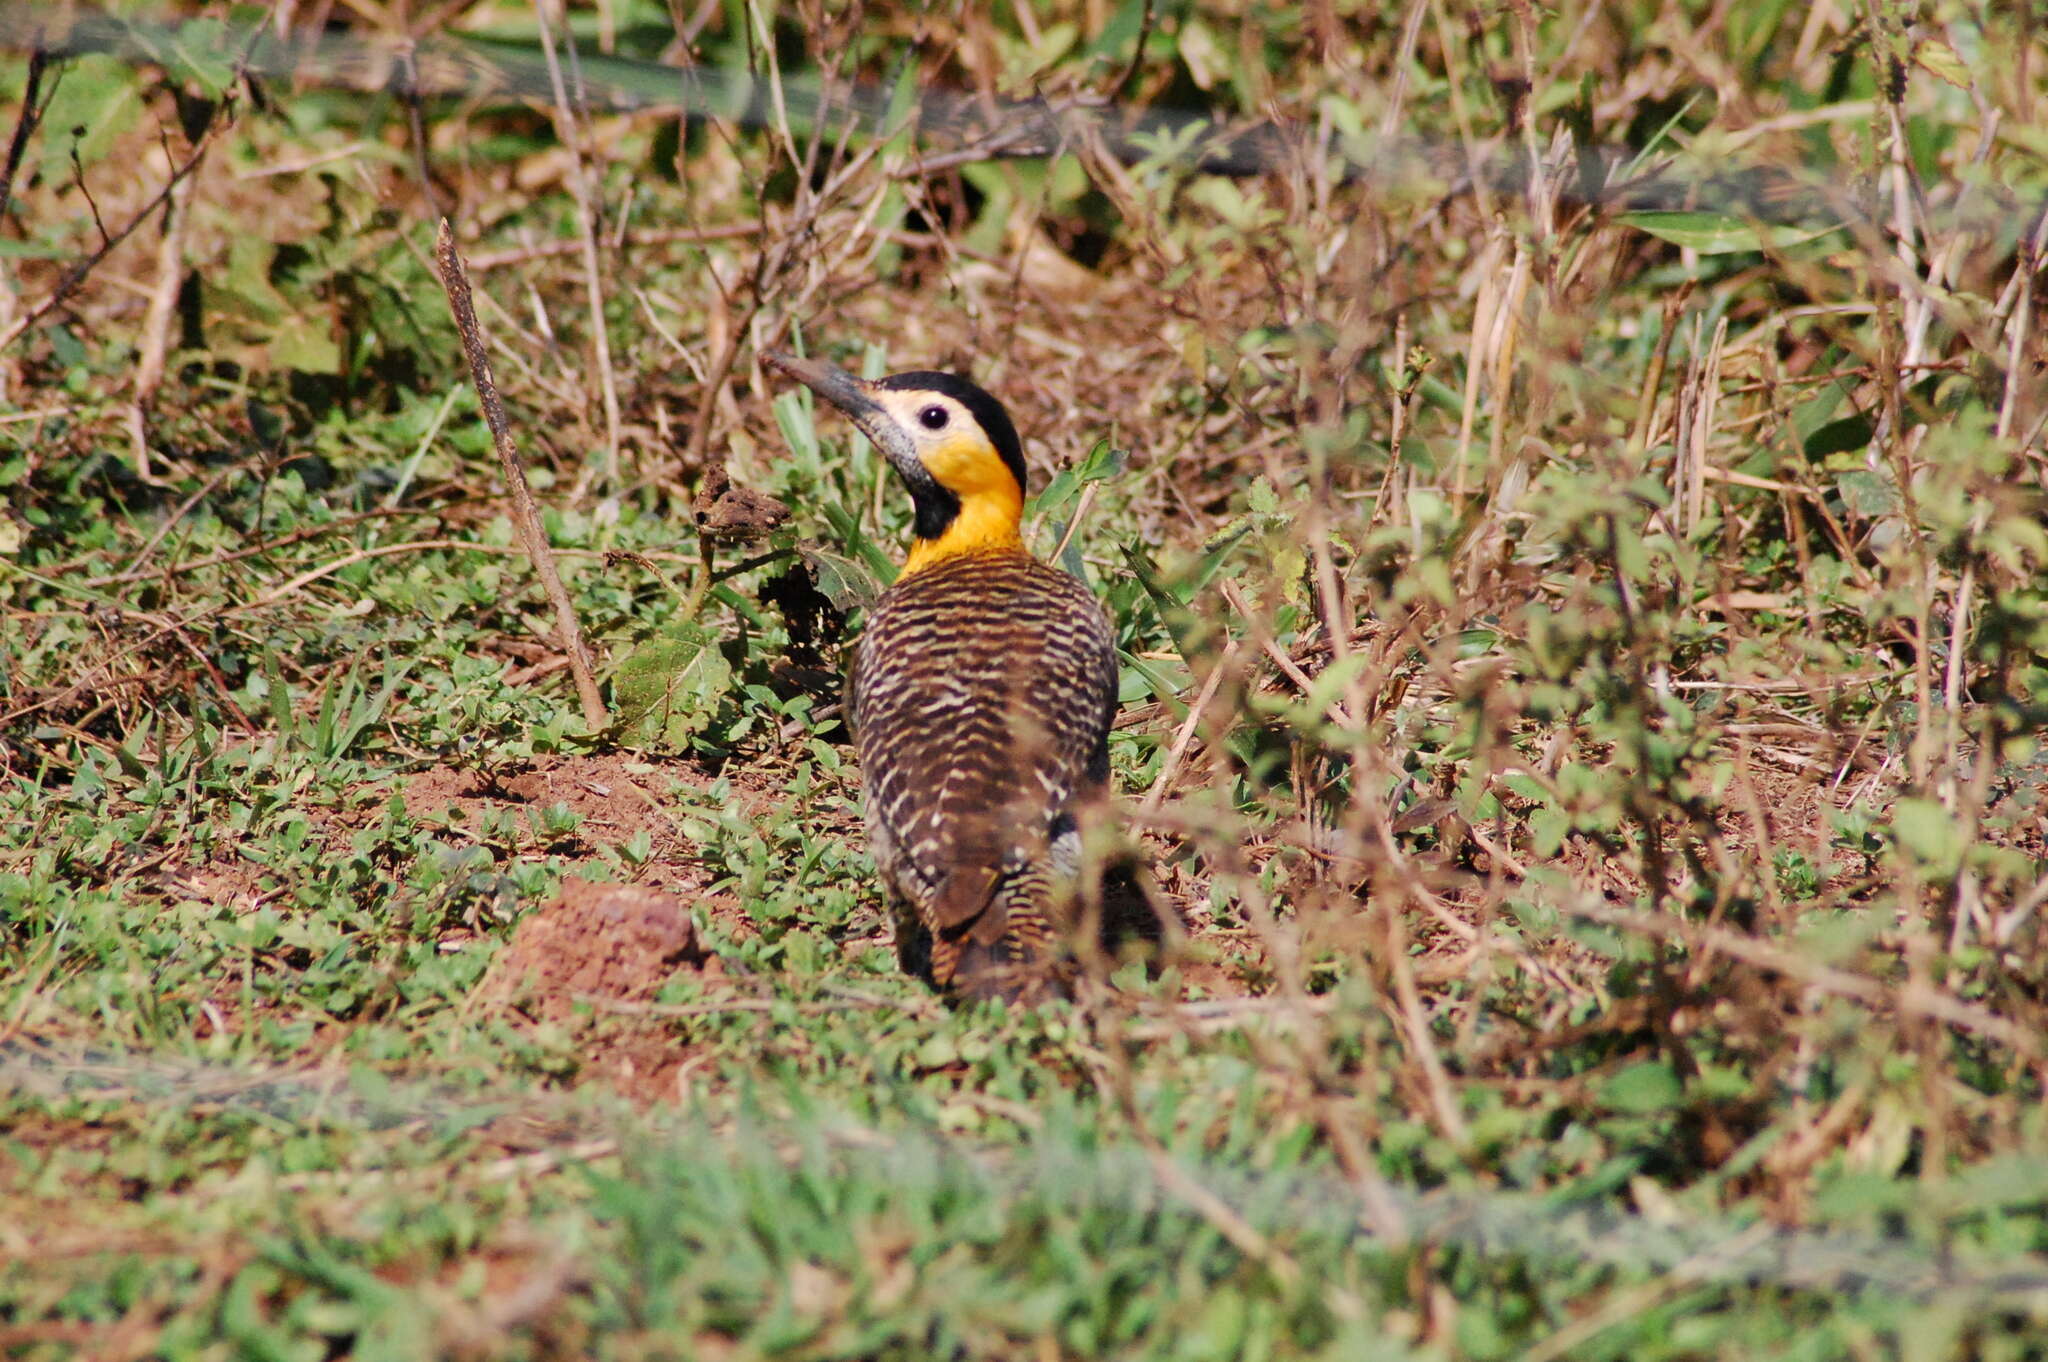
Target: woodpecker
{"points": [[981, 695]]}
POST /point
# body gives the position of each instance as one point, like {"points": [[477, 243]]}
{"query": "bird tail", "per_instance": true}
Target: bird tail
{"points": [[1023, 932], [1006, 949]]}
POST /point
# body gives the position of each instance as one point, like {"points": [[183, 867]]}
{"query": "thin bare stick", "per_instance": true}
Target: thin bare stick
{"points": [[25, 123], [1186, 734], [1411, 29], [156, 323], [656, 236], [586, 226], [354, 556], [2017, 306], [525, 514], [163, 295], [1420, 1043], [76, 275], [1287, 665], [1653, 377], [1081, 509]]}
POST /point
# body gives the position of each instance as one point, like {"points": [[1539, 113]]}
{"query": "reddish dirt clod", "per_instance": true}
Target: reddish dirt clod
{"points": [[610, 948], [597, 943]]}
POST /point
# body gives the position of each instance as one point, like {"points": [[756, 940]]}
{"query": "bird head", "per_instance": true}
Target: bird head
{"points": [[952, 444]]}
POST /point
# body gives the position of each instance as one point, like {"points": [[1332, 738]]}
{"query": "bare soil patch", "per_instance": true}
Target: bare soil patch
{"points": [[615, 796]]}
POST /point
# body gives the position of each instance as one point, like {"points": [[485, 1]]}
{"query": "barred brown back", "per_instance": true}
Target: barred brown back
{"points": [[981, 697]]}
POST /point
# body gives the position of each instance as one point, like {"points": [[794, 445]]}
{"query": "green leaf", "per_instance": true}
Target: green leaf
{"points": [[1262, 498], [1848, 434], [1643, 1088], [669, 687], [879, 565], [1938, 59], [93, 105], [201, 51], [1140, 678], [1070, 557], [1172, 613], [845, 582], [1548, 827], [306, 348], [1867, 493], [1331, 681], [1834, 939], [1928, 832], [1123, 27], [1103, 461], [1720, 233], [1211, 561]]}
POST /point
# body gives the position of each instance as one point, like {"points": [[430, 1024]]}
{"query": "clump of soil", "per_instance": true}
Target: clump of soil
{"points": [[597, 943], [730, 513]]}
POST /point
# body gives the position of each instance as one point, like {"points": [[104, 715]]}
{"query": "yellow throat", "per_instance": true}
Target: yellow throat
{"points": [[991, 513]]}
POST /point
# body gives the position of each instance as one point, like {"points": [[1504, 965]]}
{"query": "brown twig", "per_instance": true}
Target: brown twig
{"points": [[659, 236], [1123, 81], [525, 514], [156, 323], [77, 274], [585, 196], [25, 124]]}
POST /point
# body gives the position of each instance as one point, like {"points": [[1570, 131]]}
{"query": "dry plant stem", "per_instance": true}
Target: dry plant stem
{"points": [[586, 226], [1653, 377], [1454, 83], [1642, 1299], [163, 297], [769, 267], [416, 132], [1915, 998], [156, 323], [1123, 82], [25, 122], [136, 573], [714, 383], [1186, 733], [1706, 398], [1287, 665], [1542, 195], [525, 514], [2019, 293], [1411, 29], [514, 355], [77, 274], [1397, 418], [1420, 1043], [663, 236], [1113, 1072], [1081, 509], [329, 568], [1478, 355]]}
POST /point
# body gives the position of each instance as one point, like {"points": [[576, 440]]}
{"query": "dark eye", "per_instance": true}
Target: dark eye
{"points": [[933, 417]]}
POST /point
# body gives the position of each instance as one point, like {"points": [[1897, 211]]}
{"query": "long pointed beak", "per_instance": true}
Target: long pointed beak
{"points": [[836, 386]]}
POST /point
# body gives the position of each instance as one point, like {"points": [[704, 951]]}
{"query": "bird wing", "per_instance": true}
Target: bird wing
{"points": [[981, 705]]}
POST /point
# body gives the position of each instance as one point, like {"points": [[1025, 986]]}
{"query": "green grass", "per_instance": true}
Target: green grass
{"points": [[1596, 756]]}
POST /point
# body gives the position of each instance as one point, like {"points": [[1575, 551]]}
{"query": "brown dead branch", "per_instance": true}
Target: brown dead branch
{"points": [[525, 513]]}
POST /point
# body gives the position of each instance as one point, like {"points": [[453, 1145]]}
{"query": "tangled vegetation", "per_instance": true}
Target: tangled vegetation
{"points": [[1570, 488]]}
